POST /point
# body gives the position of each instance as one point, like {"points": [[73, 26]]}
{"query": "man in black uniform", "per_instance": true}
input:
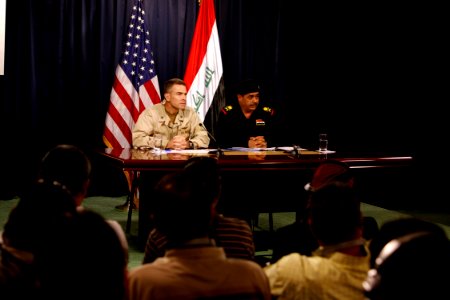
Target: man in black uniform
{"points": [[246, 123]]}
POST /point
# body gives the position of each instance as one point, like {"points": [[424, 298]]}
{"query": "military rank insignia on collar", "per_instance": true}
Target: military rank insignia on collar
{"points": [[260, 122]]}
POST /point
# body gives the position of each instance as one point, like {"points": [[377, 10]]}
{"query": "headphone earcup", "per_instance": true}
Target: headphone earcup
{"points": [[408, 268], [371, 284]]}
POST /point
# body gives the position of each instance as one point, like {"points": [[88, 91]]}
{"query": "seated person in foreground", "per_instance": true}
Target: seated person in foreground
{"points": [[82, 259], [399, 227], [411, 265], [339, 266], [193, 267], [71, 167], [305, 243], [179, 126], [41, 209], [232, 234], [51, 250], [246, 123]]}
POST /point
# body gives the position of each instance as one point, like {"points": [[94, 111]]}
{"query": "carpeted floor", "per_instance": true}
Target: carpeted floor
{"points": [[106, 207]]}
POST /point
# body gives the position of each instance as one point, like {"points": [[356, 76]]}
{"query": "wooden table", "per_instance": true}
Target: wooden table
{"points": [[255, 182]]}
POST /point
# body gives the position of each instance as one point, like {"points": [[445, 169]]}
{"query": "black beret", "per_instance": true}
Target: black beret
{"points": [[247, 86]]}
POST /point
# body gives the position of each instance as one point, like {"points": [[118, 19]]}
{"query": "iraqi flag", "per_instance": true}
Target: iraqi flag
{"points": [[204, 69]]}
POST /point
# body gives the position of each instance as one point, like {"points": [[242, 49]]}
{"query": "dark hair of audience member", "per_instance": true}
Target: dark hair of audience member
{"points": [[68, 165], [179, 201], [207, 174], [38, 211]]}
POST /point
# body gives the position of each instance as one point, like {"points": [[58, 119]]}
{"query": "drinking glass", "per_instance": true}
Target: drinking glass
{"points": [[323, 142]]}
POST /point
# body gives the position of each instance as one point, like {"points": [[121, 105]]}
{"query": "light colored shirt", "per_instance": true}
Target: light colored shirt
{"points": [[155, 120], [198, 272], [338, 276]]}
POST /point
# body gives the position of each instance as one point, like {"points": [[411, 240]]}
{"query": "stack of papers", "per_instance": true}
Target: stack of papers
{"points": [[290, 148], [287, 148], [249, 149], [326, 151], [188, 151]]}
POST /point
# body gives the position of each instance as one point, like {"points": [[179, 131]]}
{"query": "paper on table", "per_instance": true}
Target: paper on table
{"points": [[326, 151], [289, 148], [249, 149], [188, 151]]}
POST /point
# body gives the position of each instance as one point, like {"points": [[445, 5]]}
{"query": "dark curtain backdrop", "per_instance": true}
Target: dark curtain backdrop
{"points": [[353, 72]]}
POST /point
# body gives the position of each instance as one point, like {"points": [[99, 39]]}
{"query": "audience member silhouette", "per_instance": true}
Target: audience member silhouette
{"points": [[51, 250], [38, 214], [339, 266], [232, 234], [193, 267], [397, 228], [304, 242], [410, 266], [84, 260], [71, 167]]}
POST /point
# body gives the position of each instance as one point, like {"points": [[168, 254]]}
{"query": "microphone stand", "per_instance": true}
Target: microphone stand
{"points": [[219, 151], [296, 151]]}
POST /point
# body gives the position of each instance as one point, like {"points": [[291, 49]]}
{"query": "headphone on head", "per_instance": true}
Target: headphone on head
{"points": [[409, 267]]}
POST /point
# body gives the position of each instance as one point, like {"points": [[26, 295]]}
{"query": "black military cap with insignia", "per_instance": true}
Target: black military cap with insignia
{"points": [[247, 86]]}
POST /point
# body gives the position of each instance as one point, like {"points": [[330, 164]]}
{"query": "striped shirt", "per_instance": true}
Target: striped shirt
{"points": [[232, 234]]}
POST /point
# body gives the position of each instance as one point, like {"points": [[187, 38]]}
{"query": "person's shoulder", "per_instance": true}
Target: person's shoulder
{"points": [[289, 262], [137, 273], [157, 109], [157, 106], [226, 225], [189, 111]]}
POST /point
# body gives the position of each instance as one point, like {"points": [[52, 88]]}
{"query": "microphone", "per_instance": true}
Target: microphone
{"points": [[219, 151], [295, 151]]}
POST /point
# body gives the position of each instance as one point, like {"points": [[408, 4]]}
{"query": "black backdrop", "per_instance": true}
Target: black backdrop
{"points": [[353, 72]]}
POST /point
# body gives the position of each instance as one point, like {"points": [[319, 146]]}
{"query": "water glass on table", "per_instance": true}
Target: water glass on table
{"points": [[323, 142]]}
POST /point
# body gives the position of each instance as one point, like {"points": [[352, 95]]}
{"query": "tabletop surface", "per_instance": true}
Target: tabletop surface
{"points": [[146, 158]]}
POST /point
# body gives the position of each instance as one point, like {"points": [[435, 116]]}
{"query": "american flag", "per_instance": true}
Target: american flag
{"points": [[135, 84]]}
